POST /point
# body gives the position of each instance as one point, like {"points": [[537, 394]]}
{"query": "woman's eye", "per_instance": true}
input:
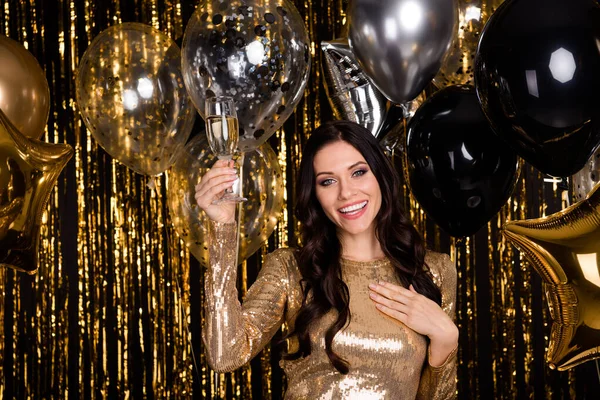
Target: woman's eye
{"points": [[359, 172], [326, 182]]}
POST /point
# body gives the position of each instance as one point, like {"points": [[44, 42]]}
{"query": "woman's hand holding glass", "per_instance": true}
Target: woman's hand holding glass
{"points": [[222, 131], [213, 186]]}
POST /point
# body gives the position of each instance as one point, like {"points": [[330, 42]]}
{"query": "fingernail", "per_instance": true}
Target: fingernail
{"points": [[372, 285], [372, 295]]}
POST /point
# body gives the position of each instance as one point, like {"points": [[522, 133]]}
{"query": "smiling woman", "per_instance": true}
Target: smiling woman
{"points": [[370, 311], [348, 193]]}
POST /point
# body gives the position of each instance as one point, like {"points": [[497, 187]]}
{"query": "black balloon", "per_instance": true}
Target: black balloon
{"points": [[459, 171], [537, 75]]}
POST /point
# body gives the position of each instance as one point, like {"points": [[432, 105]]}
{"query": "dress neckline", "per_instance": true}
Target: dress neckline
{"points": [[371, 263]]}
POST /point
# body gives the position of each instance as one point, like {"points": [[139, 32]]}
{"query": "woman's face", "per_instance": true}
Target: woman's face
{"points": [[346, 188]]}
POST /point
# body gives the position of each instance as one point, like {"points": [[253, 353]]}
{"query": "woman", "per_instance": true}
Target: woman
{"points": [[369, 311]]}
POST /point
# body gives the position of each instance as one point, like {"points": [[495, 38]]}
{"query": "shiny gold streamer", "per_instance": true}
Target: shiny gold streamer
{"points": [[131, 286]]}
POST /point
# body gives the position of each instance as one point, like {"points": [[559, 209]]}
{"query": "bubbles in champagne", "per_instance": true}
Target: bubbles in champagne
{"points": [[223, 134]]}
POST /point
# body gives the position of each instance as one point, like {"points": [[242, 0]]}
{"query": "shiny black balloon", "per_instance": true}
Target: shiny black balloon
{"points": [[459, 170], [537, 74]]}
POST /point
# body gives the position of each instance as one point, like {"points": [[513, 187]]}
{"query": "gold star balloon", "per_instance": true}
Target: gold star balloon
{"points": [[28, 171], [564, 248]]}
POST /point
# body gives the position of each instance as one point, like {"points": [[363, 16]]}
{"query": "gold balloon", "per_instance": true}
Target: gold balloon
{"points": [[262, 185], [24, 92], [457, 67], [131, 96], [564, 248], [28, 171]]}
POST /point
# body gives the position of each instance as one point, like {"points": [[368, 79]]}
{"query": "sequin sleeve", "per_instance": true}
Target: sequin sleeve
{"points": [[439, 382], [234, 333]]}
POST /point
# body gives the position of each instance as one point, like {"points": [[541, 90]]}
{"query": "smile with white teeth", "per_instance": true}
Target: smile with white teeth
{"points": [[356, 207]]}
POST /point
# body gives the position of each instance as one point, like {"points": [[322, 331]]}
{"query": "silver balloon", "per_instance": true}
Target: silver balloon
{"points": [[400, 44], [584, 181], [351, 95], [262, 185], [256, 51]]}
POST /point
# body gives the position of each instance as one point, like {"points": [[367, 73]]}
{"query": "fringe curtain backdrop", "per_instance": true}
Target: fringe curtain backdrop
{"points": [[115, 309]]}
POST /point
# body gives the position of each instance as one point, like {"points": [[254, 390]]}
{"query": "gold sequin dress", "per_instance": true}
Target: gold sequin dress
{"points": [[387, 359]]}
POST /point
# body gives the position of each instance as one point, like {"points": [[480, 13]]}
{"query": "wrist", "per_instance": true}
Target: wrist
{"points": [[446, 339], [223, 222]]}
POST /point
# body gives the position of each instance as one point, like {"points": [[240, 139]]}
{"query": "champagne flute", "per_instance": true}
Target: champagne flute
{"points": [[222, 131]]}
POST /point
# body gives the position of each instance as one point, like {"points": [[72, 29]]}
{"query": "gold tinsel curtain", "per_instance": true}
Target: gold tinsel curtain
{"points": [[115, 310]]}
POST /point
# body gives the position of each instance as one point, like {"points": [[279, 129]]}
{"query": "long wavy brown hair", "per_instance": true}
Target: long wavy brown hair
{"points": [[320, 253]]}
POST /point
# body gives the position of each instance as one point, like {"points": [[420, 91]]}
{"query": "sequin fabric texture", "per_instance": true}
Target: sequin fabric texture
{"points": [[387, 359]]}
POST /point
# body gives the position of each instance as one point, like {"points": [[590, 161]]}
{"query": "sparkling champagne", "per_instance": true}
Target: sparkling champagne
{"points": [[223, 134]]}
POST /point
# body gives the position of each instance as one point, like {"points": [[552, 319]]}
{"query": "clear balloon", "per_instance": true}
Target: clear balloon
{"points": [[563, 249], [458, 66], [400, 44], [24, 92], [131, 95], [254, 51], [262, 185], [28, 171], [351, 95]]}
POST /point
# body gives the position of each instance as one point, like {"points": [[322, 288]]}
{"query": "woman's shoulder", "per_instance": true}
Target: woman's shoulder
{"points": [[285, 258], [285, 255], [442, 268]]}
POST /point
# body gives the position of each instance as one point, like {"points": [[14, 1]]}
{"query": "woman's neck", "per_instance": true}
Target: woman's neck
{"points": [[364, 247]]}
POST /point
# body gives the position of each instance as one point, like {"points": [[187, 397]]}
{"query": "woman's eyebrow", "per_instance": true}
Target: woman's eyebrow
{"points": [[350, 167]]}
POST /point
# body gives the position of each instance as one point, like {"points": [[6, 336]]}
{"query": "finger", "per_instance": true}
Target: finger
{"points": [[412, 288], [397, 288], [215, 190], [217, 180], [206, 184], [389, 293], [398, 315], [214, 172], [395, 305], [207, 197], [218, 169]]}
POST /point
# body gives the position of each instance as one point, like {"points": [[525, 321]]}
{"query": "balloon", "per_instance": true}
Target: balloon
{"points": [[254, 51], [400, 44], [28, 171], [538, 82], [24, 92], [564, 249], [351, 95], [131, 96], [262, 185], [459, 171], [585, 180], [458, 67]]}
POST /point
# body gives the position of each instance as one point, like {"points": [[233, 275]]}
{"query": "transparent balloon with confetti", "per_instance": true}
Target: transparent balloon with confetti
{"points": [[254, 51], [261, 183], [131, 96]]}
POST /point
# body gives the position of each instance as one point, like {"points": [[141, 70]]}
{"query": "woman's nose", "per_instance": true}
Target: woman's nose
{"points": [[347, 190]]}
